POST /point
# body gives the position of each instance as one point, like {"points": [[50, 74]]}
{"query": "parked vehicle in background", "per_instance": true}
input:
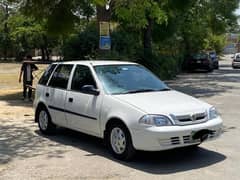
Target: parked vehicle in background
{"points": [[236, 61], [123, 103], [213, 56], [199, 61]]}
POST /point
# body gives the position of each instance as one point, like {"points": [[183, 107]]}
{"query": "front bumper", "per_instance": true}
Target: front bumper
{"points": [[236, 64], [170, 137], [204, 66]]}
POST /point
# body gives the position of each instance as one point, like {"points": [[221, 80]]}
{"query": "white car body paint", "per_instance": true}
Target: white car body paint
{"points": [[129, 108]]}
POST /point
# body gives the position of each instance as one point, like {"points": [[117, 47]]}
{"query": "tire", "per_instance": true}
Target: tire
{"points": [[121, 149], [210, 69], [194, 147], [44, 121]]}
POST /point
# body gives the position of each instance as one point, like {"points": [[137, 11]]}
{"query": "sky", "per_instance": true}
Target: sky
{"points": [[238, 10]]}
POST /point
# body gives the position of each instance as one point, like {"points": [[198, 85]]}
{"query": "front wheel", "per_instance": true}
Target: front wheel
{"points": [[210, 69], [119, 142], [44, 121]]}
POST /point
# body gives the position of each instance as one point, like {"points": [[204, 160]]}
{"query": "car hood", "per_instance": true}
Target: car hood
{"points": [[164, 102]]}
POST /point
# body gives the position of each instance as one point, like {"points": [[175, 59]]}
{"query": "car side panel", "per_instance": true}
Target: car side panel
{"points": [[39, 98], [82, 113], [56, 101], [113, 108]]}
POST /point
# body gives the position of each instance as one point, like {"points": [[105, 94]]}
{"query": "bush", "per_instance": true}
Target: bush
{"points": [[125, 43], [82, 45], [165, 67], [127, 46]]}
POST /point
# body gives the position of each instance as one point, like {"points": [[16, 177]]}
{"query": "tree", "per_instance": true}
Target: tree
{"points": [[205, 20], [70, 12], [4, 38], [29, 34], [82, 44], [159, 28], [140, 15]]}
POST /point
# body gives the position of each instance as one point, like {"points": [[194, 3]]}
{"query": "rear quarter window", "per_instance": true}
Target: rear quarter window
{"points": [[61, 76], [46, 75]]}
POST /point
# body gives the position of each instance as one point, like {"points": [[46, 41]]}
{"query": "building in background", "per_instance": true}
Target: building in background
{"points": [[232, 45]]}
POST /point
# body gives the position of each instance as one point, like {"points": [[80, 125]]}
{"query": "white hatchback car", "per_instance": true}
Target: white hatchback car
{"points": [[123, 103]]}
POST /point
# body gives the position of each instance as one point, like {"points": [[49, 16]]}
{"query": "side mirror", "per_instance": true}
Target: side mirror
{"points": [[90, 89]]}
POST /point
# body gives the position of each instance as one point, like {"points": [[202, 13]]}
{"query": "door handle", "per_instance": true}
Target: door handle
{"points": [[70, 100], [47, 94]]}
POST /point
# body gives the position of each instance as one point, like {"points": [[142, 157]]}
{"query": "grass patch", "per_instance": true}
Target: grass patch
{"points": [[10, 88]]}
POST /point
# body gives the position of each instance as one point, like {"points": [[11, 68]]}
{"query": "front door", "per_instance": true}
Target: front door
{"points": [[82, 110]]}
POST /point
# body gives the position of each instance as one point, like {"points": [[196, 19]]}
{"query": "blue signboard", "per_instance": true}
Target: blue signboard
{"points": [[105, 43]]}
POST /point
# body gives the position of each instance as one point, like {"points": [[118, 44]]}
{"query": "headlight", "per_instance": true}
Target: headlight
{"points": [[155, 120], [213, 113]]}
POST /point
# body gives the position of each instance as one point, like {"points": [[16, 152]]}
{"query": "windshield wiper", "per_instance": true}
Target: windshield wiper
{"points": [[139, 91], [146, 90], [165, 89]]}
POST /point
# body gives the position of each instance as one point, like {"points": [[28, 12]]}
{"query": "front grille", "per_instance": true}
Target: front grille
{"points": [[187, 139], [191, 119], [175, 140]]}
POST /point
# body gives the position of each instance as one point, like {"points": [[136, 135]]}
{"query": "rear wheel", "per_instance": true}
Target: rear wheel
{"points": [[44, 121], [119, 142]]}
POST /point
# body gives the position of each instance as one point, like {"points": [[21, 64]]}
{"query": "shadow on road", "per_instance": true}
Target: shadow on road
{"points": [[17, 140], [15, 99], [11, 96], [201, 84], [165, 162]]}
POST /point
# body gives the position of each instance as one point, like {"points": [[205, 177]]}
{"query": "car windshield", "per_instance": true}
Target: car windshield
{"points": [[200, 56], [125, 79], [212, 54]]}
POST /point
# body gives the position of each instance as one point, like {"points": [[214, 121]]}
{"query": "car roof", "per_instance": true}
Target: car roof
{"points": [[96, 62]]}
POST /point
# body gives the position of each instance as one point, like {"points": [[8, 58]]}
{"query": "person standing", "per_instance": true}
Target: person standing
{"points": [[26, 71]]}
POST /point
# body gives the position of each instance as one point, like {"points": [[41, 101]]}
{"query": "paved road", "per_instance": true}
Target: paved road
{"points": [[26, 154]]}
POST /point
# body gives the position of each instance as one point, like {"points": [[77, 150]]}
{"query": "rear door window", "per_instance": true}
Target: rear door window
{"points": [[44, 79], [61, 76]]}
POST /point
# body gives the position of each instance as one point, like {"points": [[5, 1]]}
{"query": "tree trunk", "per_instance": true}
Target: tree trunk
{"points": [[103, 15], [43, 53], [47, 54], [6, 32], [147, 38]]}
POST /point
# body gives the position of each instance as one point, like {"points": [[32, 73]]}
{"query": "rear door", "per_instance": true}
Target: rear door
{"points": [[56, 93], [42, 85], [82, 110]]}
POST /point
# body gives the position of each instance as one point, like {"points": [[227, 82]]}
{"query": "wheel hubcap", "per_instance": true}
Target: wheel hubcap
{"points": [[118, 140], [43, 120]]}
